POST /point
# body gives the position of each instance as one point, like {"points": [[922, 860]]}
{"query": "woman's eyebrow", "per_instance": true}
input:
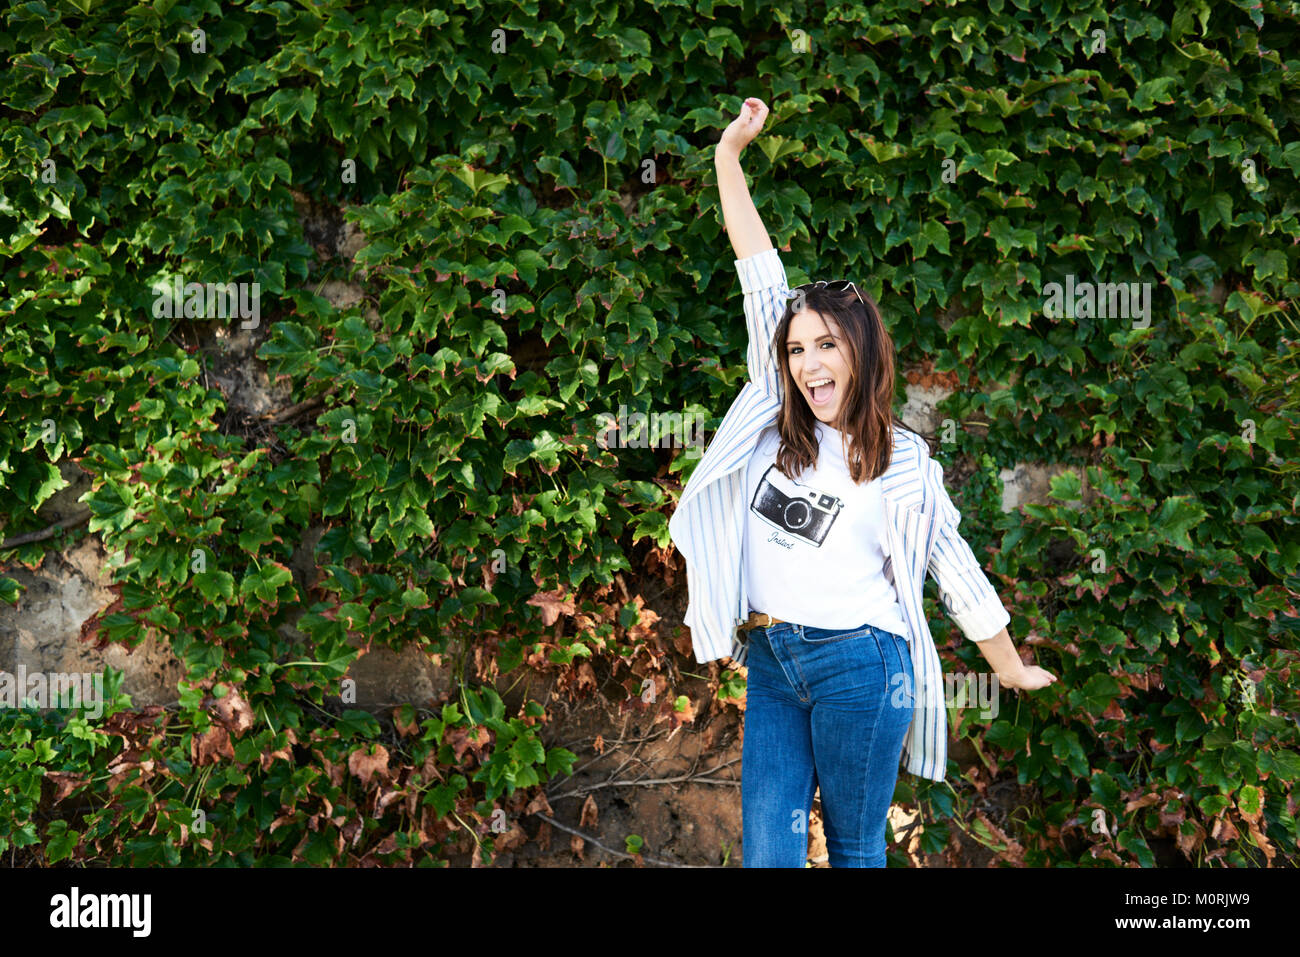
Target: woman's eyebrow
{"points": [[797, 342]]}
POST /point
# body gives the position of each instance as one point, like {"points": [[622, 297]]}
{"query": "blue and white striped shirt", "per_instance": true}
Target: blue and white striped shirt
{"points": [[921, 531]]}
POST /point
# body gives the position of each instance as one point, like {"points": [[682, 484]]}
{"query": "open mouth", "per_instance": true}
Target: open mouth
{"points": [[821, 391]]}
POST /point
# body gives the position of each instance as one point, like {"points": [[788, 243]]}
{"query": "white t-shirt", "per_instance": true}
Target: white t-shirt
{"points": [[813, 546]]}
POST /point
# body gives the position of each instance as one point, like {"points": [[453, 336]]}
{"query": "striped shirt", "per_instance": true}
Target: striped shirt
{"points": [[921, 534]]}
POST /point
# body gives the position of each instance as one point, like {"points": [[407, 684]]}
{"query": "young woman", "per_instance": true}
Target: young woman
{"points": [[808, 528]]}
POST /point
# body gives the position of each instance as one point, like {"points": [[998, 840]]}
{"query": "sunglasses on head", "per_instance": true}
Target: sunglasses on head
{"points": [[834, 285]]}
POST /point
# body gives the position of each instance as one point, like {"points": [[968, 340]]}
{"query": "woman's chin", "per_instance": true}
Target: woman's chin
{"points": [[824, 413]]}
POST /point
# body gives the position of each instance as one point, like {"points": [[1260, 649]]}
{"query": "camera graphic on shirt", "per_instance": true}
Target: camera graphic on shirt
{"points": [[793, 508]]}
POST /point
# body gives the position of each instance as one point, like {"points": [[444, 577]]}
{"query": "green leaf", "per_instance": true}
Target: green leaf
{"points": [[10, 590], [1099, 691], [60, 841], [214, 585], [1251, 800], [290, 350], [1177, 516], [932, 233], [1066, 487], [1148, 94], [774, 147], [651, 525]]}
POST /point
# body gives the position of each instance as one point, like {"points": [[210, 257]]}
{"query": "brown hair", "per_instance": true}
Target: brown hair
{"points": [[867, 409]]}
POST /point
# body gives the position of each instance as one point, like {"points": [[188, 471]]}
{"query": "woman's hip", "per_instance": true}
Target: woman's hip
{"points": [[819, 663]]}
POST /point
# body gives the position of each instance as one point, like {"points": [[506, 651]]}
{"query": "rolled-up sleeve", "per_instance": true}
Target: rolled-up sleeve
{"points": [[965, 591], [764, 284]]}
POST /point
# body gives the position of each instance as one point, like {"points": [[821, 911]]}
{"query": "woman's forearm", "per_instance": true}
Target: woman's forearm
{"points": [[744, 226], [1001, 654]]}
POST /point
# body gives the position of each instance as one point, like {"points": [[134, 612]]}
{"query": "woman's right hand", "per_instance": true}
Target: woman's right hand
{"points": [[744, 127]]}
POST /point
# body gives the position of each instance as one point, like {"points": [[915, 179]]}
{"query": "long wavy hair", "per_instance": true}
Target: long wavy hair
{"points": [[867, 409]]}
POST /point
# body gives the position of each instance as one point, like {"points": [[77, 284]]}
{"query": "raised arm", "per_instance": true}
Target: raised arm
{"points": [[744, 227], [762, 276]]}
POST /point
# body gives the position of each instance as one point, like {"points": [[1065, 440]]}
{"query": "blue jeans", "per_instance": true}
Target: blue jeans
{"points": [[828, 708]]}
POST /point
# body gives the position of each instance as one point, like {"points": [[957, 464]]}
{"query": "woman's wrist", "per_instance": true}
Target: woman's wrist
{"points": [[1001, 655], [1011, 678]]}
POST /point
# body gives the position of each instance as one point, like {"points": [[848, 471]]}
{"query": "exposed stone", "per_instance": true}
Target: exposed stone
{"points": [[919, 411], [43, 632], [351, 240], [342, 295], [386, 678], [232, 365], [1030, 482], [303, 563]]}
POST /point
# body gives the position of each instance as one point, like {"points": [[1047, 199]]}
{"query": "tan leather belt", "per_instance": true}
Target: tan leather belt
{"points": [[758, 620]]}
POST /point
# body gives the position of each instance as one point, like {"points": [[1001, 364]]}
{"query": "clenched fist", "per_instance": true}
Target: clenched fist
{"points": [[744, 127]]}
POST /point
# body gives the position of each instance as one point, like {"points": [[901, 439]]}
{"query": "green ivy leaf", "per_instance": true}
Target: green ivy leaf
{"points": [[214, 585]]}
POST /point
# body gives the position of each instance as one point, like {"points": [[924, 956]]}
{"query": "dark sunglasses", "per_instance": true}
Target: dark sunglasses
{"points": [[835, 285]]}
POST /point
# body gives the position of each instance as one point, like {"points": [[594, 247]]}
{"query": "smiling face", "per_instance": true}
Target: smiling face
{"points": [[820, 363]]}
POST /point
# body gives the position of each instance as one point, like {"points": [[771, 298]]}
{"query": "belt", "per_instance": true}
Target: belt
{"points": [[758, 620]]}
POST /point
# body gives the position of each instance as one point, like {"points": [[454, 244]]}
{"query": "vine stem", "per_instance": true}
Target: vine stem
{"points": [[610, 850], [693, 778], [28, 537], [478, 845]]}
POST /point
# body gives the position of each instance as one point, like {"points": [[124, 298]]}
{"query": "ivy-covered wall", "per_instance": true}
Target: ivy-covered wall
{"points": [[544, 250]]}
